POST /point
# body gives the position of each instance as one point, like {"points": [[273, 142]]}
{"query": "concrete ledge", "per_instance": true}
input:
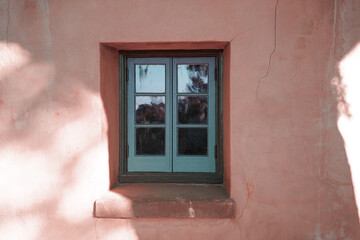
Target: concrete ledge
{"points": [[165, 200]]}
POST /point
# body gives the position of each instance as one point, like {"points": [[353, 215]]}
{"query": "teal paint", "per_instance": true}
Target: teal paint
{"points": [[171, 161]]}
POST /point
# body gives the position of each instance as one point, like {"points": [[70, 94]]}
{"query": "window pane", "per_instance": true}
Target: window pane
{"points": [[192, 141], [150, 109], [192, 78], [150, 78], [192, 109], [150, 141]]}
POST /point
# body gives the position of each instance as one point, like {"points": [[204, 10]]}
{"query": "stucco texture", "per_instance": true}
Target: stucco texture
{"points": [[291, 115]]}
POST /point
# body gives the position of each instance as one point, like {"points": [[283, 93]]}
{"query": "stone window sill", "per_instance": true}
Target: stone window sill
{"points": [[165, 200]]}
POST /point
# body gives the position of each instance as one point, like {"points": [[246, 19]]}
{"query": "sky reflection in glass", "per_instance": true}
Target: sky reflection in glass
{"points": [[150, 78]]}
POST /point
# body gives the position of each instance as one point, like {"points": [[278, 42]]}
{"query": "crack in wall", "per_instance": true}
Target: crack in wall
{"points": [[273, 50], [333, 37], [246, 205], [96, 232], [8, 21], [241, 33], [45, 25], [48, 46]]}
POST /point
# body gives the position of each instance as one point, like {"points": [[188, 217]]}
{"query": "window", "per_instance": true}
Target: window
{"points": [[170, 118], [150, 200]]}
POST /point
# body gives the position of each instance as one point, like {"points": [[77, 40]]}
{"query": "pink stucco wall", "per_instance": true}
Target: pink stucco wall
{"points": [[291, 114]]}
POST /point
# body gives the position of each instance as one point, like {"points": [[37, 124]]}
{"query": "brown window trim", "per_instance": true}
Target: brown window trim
{"points": [[136, 177]]}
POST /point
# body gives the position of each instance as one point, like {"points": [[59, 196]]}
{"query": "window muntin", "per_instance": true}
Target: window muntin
{"points": [[171, 124]]}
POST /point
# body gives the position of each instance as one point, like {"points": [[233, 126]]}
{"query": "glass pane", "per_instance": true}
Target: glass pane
{"points": [[150, 78], [192, 141], [192, 78], [192, 109], [150, 109], [150, 141]]}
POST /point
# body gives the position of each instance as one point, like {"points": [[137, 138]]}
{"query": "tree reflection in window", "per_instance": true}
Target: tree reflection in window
{"points": [[143, 70], [192, 109], [150, 109], [195, 80]]}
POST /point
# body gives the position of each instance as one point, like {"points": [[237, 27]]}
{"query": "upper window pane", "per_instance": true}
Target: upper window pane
{"points": [[192, 78], [150, 78]]}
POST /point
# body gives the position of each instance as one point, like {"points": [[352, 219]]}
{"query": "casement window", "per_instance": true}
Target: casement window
{"points": [[170, 130], [170, 118]]}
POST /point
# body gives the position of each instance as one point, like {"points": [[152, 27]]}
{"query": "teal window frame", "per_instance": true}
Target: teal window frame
{"points": [[171, 167]]}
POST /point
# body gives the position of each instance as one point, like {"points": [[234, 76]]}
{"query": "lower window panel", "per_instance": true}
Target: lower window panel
{"points": [[150, 141], [192, 141]]}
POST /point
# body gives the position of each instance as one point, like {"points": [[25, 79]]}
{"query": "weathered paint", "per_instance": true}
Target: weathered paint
{"points": [[286, 69]]}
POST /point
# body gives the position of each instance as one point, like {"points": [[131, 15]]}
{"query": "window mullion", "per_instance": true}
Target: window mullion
{"points": [[171, 118], [173, 113]]}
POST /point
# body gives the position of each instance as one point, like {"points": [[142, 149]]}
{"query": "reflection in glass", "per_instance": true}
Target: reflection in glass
{"points": [[192, 109], [150, 141], [150, 78], [192, 141], [150, 109], [192, 78]]}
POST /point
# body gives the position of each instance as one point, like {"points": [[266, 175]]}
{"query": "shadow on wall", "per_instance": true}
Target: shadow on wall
{"points": [[349, 112], [53, 130], [339, 171], [341, 118], [50, 144], [324, 203], [346, 86]]}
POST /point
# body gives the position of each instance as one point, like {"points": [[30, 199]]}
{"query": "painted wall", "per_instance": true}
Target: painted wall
{"points": [[291, 101]]}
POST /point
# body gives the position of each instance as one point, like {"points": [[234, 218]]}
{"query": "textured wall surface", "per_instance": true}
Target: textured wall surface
{"points": [[292, 115]]}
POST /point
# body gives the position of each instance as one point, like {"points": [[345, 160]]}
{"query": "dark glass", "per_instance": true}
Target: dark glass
{"points": [[192, 78], [150, 78], [150, 141], [192, 109], [150, 109], [192, 141]]}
